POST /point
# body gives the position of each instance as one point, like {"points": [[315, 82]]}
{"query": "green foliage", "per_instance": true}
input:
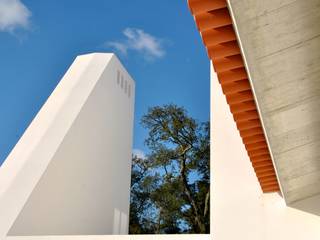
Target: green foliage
{"points": [[164, 199]]}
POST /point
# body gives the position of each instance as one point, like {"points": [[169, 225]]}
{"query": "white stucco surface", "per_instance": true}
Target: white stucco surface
{"points": [[69, 174], [240, 209]]}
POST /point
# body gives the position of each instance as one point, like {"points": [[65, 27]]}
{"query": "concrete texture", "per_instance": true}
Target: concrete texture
{"points": [[70, 172], [281, 44], [240, 209]]}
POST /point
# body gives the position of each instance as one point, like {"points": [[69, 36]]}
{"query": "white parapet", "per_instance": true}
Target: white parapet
{"points": [[69, 174]]}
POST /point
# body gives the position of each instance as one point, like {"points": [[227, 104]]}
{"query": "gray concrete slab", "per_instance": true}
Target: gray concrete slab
{"points": [[281, 45]]}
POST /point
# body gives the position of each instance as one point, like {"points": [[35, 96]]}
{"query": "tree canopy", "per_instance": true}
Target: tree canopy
{"points": [[170, 186]]}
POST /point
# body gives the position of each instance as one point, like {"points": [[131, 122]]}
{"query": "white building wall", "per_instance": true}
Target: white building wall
{"points": [[80, 157], [240, 210]]}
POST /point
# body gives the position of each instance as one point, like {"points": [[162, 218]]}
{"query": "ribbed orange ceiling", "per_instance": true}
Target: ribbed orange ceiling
{"points": [[215, 24]]}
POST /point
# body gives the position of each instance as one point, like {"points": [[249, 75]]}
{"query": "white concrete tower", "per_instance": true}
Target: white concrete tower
{"points": [[69, 174]]}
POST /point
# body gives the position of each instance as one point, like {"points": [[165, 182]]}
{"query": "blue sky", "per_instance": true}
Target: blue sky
{"points": [[157, 42]]}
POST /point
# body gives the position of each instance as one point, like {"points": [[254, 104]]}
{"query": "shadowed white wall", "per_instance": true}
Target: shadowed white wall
{"points": [[240, 210], [79, 165]]}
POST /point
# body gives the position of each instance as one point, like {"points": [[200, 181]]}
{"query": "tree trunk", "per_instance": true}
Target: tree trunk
{"points": [[159, 222], [192, 202], [206, 204]]}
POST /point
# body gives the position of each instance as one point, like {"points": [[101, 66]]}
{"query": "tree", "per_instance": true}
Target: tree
{"points": [[163, 183], [142, 185]]}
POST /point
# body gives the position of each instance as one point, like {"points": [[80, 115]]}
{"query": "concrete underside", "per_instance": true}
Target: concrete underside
{"points": [[281, 45]]}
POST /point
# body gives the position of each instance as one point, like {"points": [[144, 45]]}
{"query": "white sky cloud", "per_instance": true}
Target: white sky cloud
{"points": [[13, 14], [138, 153], [139, 41]]}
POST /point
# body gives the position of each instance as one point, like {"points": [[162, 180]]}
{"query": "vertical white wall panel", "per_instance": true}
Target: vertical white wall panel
{"points": [[240, 210]]}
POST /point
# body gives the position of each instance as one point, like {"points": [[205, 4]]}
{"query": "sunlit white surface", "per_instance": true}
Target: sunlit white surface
{"points": [[240, 210], [71, 168]]}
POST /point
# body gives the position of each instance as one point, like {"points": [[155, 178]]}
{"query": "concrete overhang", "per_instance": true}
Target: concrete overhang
{"points": [[281, 45], [275, 46], [214, 22]]}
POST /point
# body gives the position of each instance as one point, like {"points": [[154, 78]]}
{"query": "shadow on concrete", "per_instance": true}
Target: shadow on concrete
{"points": [[310, 205]]}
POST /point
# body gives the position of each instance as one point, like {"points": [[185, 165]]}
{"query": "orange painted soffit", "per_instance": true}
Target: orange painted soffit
{"points": [[214, 22]]}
